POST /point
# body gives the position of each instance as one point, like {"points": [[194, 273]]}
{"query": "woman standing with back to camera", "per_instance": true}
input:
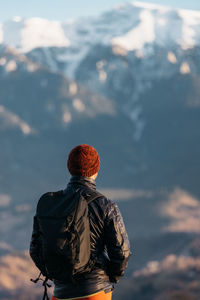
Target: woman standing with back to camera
{"points": [[108, 241]]}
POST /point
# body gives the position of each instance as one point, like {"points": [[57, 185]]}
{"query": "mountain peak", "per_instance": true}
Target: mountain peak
{"points": [[31, 33], [131, 26], [153, 23]]}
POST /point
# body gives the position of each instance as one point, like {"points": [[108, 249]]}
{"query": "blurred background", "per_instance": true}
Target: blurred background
{"points": [[123, 77]]}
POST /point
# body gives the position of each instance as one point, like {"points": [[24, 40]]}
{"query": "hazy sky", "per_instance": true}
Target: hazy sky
{"points": [[65, 9]]}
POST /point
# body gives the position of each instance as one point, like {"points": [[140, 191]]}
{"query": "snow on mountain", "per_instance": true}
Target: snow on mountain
{"points": [[28, 34], [136, 26], [133, 40], [131, 26], [155, 25]]}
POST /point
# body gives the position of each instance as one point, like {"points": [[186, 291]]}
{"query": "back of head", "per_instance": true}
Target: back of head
{"points": [[83, 160]]}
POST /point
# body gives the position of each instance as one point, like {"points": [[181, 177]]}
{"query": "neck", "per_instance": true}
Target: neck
{"points": [[93, 176]]}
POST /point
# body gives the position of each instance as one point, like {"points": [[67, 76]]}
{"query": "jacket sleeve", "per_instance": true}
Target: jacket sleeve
{"points": [[35, 249], [117, 243]]}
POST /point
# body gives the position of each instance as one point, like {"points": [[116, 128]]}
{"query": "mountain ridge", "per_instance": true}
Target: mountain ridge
{"points": [[47, 33]]}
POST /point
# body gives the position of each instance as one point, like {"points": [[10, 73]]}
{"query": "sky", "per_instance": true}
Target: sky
{"points": [[71, 9]]}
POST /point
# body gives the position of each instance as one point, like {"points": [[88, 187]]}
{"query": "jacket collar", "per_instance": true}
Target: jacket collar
{"points": [[81, 180]]}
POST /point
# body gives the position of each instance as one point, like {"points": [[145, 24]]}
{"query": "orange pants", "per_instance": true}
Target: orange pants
{"points": [[99, 296]]}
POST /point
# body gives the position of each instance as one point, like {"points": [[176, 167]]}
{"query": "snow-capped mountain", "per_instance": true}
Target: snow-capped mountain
{"points": [[131, 45], [129, 27], [122, 54], [27, 34]]}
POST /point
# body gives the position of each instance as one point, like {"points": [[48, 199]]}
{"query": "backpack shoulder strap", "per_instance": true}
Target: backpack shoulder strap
{"points": [[92, 195]]}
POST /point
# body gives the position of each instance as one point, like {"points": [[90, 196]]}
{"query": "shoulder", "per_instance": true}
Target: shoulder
{"points": [[110, 207], [106, 204]]}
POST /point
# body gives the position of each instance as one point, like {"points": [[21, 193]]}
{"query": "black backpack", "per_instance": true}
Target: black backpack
{"points": [[65, 233]]}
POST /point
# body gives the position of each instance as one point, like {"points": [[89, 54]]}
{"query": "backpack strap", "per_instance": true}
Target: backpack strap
{"points": [[93, 195]]}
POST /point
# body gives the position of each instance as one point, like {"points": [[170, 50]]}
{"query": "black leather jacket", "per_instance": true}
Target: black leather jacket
{"points": [[109, 242]]}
